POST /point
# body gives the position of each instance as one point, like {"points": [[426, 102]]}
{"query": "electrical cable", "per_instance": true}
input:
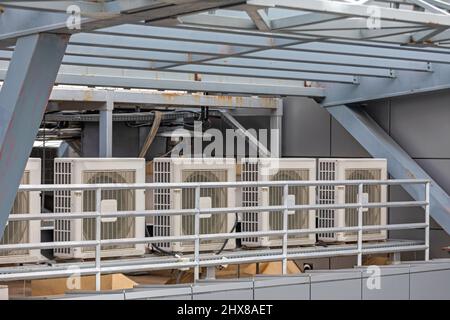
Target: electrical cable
{"points": [[152, 134], [232, 230], [160, 250]]}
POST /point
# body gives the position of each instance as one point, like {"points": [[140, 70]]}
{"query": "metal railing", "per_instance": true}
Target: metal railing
{"points": [[196, 262]]}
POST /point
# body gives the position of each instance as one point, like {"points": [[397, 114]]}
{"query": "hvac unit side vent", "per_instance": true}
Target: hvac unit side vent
{"points": [[326, 195], [62, 204], [161, 200], [250, 198]]}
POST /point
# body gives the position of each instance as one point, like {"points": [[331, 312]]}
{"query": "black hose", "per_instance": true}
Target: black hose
{"points": [[160, 250], [232, 230]]}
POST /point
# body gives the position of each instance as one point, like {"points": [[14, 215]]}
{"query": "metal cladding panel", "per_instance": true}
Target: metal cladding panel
{"points": [[420, 130], [430, 281], [336, 286], [159, 292], [343, 145], [393, 284], [225, 294], [282, 288], [223, 290], [303, 118]]}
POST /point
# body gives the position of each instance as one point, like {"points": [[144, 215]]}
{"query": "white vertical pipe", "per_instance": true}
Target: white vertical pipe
{"points": [[98, 226], [285, 227], [427, 221], [197, 233], [276, 131], [360, 223]]}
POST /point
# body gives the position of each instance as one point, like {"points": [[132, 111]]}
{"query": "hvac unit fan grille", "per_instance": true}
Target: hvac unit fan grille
{"points": [[326, 195], [373, 215], [18, 231], [250, 199], [217, 223], [300, 218], [161, 200], [62, 204], [123, 227]]}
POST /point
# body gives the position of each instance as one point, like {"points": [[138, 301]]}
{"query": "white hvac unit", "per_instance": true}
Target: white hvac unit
{"points": [[351, 169], [99, 171], [178, 170], [267, 169], [22, 232]]}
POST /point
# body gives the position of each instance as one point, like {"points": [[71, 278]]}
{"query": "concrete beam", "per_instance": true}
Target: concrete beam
{"points": [[23, 99]]}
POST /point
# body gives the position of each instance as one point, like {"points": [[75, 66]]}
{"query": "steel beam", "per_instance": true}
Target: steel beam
{"points": [[400, 165], [405, 83], [137, 79], [19, 22], [357, 10], [86, 96], [23, 99]]}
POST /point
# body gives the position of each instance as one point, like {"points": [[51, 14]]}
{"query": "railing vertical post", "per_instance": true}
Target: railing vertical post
{"points": [[285, 227], [98, 247], [360, 223], [427, 221], [197, 234]]}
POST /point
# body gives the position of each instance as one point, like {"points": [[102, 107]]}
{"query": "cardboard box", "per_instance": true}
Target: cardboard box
{"points": [[4, 295]]}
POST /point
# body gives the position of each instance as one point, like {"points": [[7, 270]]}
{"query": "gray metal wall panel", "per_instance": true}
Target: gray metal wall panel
{"points": [[254, 122], [343, 145], [393, 287], [125, 140], [379, 111], [420, 123], [282, 288], [438, 169], [336, 286], [184, 297], [438, 240], [306, 129], [336, 290], [404, 215], [433, 285], [245, 294], [293, 292]]}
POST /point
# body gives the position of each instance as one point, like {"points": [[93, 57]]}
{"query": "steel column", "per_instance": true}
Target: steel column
{"points": [[23, 99], [106, 127], [400, 165], [276, 131]]}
